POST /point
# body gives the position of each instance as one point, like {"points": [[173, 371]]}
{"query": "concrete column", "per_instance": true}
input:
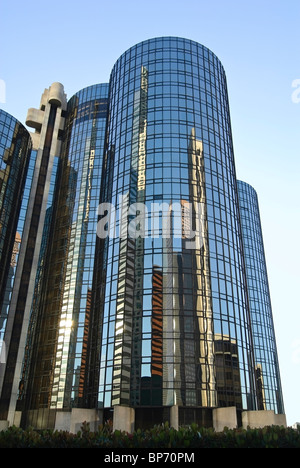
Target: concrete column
{"points": [[224, 417], [174, 417], [123, 419]]}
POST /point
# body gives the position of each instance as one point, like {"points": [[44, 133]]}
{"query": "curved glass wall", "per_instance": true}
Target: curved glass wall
{"points": [[60, 323], [266, 360], [173, 319], [15, 150]]}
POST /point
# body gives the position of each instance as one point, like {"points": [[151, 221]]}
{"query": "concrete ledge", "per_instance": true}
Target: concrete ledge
{"points": [[259, 419], [35, 118]]}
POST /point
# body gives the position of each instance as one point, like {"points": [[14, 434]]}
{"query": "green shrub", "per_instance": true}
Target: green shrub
{"points": [[163, 436]]}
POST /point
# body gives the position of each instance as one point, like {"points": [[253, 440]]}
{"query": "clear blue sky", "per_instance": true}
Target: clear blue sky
{"points": [[258, 42]]}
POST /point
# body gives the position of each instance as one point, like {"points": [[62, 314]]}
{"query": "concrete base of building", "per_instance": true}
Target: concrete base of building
{"points": [[258, 419], [227, 417], [60, 420], [224, 417], [3, 425], [124, 419], [73, 421]]}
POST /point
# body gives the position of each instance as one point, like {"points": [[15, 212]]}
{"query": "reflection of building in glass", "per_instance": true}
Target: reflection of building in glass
{"points": [[9, 284], [15, 149], [157, 322], [58, 347], [154, 321], [47, 122], [83, 366], [152, 328], [187, 157], [19, 235], [228, 377], [264, 342]]}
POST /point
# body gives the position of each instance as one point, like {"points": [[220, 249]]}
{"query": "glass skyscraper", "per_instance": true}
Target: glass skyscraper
{"points": [[169, 140], [55, 368], [145, 296], [45, 141], [15, 148], [269, 394]]}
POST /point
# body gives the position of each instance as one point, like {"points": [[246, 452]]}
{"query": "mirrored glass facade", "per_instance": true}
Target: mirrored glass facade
{"points": [[173, 325], [269, 392], [56, 364], [145, 282], [45, 143], [15, 150]]}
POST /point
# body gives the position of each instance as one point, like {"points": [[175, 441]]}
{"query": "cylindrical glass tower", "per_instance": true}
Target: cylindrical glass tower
{"points": [[55, 370], [171, 324], [15, 149], [265, 351]]}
